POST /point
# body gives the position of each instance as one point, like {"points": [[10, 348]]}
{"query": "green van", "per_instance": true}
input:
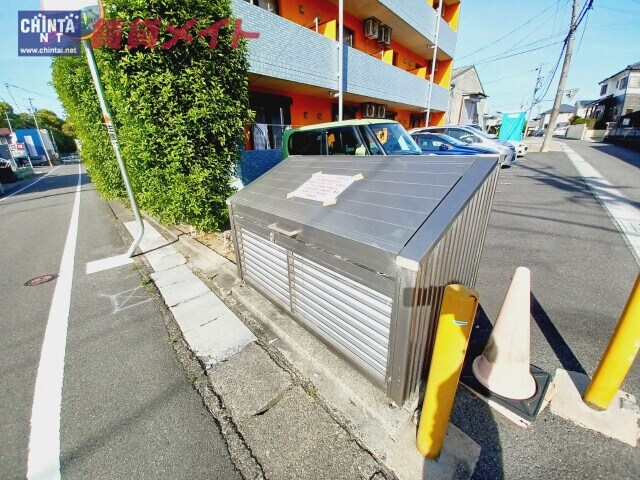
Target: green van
{"points": [[350, 137]]}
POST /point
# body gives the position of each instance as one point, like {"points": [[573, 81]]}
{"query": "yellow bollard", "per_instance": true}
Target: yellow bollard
{"points": [[459, 305], [619, 355]]}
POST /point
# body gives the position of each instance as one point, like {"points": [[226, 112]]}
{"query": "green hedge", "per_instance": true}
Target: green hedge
{"points": [[580, 120], [179, 112]]}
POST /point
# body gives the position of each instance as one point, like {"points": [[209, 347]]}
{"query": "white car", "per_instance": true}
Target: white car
{"points": [[560, 132], [476, 137], [521, 148]]}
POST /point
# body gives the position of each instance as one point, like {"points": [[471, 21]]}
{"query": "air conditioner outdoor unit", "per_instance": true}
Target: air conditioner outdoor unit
{"points": [[368, 110], [371, 26], [384, 34], [382, 111]]}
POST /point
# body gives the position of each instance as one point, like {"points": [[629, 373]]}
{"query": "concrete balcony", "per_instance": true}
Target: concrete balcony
{"points": [[367, 76], [421, 17], [286, 52]]}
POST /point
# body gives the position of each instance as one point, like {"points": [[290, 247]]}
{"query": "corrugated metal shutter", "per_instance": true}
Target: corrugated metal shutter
{"points": [[353, 318], [266, 264]]}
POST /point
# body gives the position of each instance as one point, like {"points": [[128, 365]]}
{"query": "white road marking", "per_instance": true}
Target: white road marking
{"points": [[31, 184], [623, 213], [44, 440], [108, 263]]}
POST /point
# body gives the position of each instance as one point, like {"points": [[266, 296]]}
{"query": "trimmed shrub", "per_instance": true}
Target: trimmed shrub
{"points": [[179, 112]]}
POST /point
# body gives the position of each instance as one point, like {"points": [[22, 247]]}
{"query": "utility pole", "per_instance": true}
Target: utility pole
{"points": [[33, 113], [563, 79], [533, 99], [6, 114]]}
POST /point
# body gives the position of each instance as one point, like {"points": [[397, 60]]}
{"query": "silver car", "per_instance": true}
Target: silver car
{"points": [[473, 136]]}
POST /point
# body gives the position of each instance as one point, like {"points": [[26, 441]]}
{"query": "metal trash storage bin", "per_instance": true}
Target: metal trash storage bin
{"points": [[359, 249]]}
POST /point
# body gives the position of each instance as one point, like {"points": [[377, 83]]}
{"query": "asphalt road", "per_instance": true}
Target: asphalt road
{"points": [[545, 217], [128, 409]]}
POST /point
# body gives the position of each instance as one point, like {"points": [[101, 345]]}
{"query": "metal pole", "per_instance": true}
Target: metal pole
{"points": [[563, 80], [114, 143], [459, 305], [533, 99], [619, 355], [433, 62], [6, 114], [44, 147], [340, 58]]}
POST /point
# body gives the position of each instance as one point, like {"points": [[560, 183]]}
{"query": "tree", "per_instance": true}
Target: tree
{"points": [[179, 112], [18, 121]]}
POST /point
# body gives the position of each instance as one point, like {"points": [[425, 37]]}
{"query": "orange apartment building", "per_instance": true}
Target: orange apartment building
{"points": [[389, 47]]}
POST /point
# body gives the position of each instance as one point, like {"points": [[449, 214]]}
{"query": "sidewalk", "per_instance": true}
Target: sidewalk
{"points": [[291, 407]]}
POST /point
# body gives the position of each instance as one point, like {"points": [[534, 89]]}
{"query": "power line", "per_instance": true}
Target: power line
{"points": [[6, 85], [581, 16], [31, 91], [491, 59], [510, 76], [507, 34], [501, 55]]}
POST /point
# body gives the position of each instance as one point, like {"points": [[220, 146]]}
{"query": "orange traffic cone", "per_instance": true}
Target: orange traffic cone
{"points": [[503, 368]]}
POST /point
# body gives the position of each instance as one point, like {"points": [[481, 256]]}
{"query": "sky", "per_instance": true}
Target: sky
{"points": [[488, 29], [610, 42]]}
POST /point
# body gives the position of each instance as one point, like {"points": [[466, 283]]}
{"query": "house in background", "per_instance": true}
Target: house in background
{"points": [[582, 107], [389, 48], [466, 97], [567, 112], [619, 95]]}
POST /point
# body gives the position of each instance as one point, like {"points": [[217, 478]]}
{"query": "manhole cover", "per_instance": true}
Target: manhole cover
{"points": [[40, 280]]}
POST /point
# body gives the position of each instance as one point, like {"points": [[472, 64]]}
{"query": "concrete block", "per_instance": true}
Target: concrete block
{"points": [[151, 239], [619, 422], [166, 262], [296, 438], [263, 382], [170, 276], [220, 339], [161, 252], [457, 460], [182, 291], [198, 311]]}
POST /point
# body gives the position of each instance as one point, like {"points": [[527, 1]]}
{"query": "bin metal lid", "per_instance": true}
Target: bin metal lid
{"points": [[384, 209]]}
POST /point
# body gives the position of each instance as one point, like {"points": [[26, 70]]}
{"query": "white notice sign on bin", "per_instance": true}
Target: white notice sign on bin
{"points": [[324, 188]]}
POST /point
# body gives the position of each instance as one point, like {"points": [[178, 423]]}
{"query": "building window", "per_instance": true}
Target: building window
{"points": [[623, 83], [603, 89], [348, 36], [415, 121], [634, 82], [268, 5], [629, 110]]}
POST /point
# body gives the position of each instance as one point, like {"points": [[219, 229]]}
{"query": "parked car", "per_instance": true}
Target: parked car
{"points": [[350, 137], [521, 148], [476, 138], [441, 144], [560, 131]]}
